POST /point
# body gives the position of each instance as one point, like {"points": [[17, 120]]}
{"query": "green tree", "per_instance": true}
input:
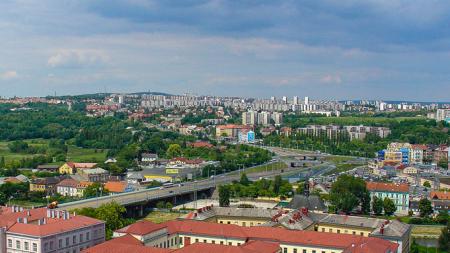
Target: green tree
{"points": [[174, 150], [244, 180], [442, 218], [425, 207], [377, 205], [414, 247], [112, 213], [365, 202], [3, 198], [427, 184], [278, 181], [2, 162], [443, 163], [348, 192], [224, 195], [169, 205], [444, 239], [95, 190], [389, 206], [161, 205]]}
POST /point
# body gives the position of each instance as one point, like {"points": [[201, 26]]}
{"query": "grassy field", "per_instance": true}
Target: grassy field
{"points": [[424, 231], [9, 156], [338, 159], [160, 217], [77, 154], [26, 204], [266, 167], [342, 168], [74, 153]]}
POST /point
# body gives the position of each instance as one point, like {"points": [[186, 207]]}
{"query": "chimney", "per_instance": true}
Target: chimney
{"points": [[58, 214], [21, 209], [39, 222], [28, 213], [53, 213], [12, 209], [44, 221], [25, 220], [68, 214], [48, 213]]}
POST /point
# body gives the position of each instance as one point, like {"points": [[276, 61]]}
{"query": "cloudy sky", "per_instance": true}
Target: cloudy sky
{"points": [[343, 49]]}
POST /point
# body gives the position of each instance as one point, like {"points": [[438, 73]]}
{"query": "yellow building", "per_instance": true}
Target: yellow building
{"points": [[72, 168]]}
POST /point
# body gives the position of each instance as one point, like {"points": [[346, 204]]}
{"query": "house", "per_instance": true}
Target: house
{"points": [[115, 187], [48, 167], [149, 157], [399, 193], [94, 175], [43, 230], [71, 187], [440, 201], [47, 185], [182, 162], [200, 144], [197, 236], [72, 167]]}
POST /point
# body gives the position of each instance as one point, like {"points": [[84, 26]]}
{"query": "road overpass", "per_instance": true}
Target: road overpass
{"points": [[155, 194]]}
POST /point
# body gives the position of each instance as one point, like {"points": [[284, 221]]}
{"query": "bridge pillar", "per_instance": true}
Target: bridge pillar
{"points": [[141, 210]]}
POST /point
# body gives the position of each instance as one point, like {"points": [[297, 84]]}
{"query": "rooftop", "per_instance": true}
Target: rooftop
{"points": [[387, 187]]}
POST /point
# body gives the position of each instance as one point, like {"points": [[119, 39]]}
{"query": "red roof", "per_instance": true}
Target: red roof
{"points": [[387, 187], [141, 228], [116, 186], [250, 247], [205, 228], [8, 218], [124, 244], [440, 195]]}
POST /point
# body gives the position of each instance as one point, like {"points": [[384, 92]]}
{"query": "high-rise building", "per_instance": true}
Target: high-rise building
{"points": [[277, 117], [306, 100], [264, 118], [249, 118], [285, 99], [295, 100], [442, 114]]}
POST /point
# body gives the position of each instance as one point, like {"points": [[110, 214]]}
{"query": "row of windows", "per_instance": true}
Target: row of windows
{"points": [[338, 231], [26, 245], [285, 250], [169, 243], [244, 224]]}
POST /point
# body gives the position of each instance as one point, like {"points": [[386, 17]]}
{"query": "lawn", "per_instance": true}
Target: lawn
{"points": [[338, 159], [265, 167], [9, 156], [424, 231], [26, 204], [77, 154], [160, 217], [74, 153], [342, 168]]}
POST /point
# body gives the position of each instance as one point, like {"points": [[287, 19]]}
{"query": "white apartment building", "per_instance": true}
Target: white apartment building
{"points": [[45, 230]]}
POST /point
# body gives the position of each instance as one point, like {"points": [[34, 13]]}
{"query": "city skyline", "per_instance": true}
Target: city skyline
{"points": [[393, 50]]}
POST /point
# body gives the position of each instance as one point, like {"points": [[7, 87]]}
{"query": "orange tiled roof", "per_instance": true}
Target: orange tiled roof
{"points": [[387, 187], [440, 195], [141, 228], [115, 186]]}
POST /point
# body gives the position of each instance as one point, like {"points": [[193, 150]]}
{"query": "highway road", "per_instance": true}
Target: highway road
{"points": [[145, 195]]}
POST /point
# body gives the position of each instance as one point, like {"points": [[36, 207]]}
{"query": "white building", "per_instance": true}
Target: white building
{"points": [[45, 230]]}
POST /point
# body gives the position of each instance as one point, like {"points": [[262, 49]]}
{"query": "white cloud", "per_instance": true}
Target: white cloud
{"points": [[9, 75], [74, 58], [332, 79]]}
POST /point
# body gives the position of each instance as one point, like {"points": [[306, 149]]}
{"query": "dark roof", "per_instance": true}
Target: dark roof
{"points": [[312, 202]]}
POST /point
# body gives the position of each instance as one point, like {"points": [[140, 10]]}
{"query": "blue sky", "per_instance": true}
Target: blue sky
{"points": [[384, 49]]}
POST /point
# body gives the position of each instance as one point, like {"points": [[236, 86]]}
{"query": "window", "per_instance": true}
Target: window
{"points": [[330, 230], [204, 241], [304, 251], [51, 245], [243, 224], [74, 239], [213, 242], [26, 246], [323, 229], [17, 244], [88, 236], [229, 222], [45, 246], [362, 233], [67, 241], [196, 240], [9, 243], [338, 231], [60, 243], [285, 250], [230, 243], [354, 233], [221, 242], [313, 251], [295, 250], [34, 247], [81, 237]]}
